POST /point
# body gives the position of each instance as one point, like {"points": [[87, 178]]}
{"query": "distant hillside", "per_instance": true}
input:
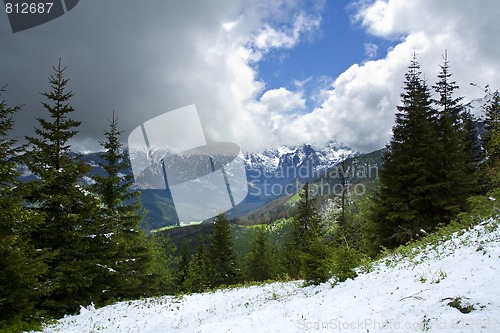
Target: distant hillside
{"points": [[359, 170]]}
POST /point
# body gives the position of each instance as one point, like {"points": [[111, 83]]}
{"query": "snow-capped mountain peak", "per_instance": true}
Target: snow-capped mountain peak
{"points": [[476, 107], [316, 158]]}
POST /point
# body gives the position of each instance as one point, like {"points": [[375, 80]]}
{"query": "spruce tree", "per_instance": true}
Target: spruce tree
{"points": [[260, 260], [199, 270], [408, 199], [161, 273], [306, 250], [456, 182], [182, 268], [222, 254], [289, 254], [343, 178], [126, 254], [315, 261], [68, 230], [472, 151], [308, 219], [21, 265], [491, 142], [305, 223]]}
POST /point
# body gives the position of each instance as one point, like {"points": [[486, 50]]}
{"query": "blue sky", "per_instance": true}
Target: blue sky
{"points": [[337, 45], [261, 73], [329, 52]]}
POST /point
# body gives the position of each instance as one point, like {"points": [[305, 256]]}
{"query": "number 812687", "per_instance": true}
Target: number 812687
{"points": [[28, 8]]}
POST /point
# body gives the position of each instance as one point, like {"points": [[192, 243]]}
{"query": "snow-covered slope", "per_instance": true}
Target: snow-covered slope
{"points": [[400, 294]]}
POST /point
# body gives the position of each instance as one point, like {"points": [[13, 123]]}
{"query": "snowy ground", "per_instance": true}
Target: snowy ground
{"points": [[398, 295]]}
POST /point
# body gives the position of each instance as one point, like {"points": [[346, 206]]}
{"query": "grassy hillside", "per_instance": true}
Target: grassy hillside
{"points": [[359, 171]]}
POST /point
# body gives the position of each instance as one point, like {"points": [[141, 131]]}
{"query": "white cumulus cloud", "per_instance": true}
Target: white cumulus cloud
{"points": [[359, 106]]}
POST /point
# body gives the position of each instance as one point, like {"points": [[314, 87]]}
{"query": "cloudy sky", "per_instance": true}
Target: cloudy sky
{"points": [[261, 73]]}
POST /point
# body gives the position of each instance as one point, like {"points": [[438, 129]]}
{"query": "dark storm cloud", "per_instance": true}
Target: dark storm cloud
{"points": [[122, 55]]}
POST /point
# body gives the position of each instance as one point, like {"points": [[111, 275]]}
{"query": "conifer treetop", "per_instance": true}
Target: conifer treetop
{"points": [[51, 148]]}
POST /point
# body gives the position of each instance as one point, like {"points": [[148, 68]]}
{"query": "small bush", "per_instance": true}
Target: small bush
{"points": [[457, 304]]}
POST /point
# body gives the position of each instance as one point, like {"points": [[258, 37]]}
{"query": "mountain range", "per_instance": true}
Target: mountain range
{"points": [[271, 174]]}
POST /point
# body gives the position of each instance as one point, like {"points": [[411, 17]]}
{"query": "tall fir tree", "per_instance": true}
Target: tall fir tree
{"points": [[472, 150], [314, 252], [222, 254], [408, 199], [456, 180], [21, 265], [68, 230], [308, 219], [343, 178], [161, 276], [260, 261], [199, 270], [306, 253], [126, 255], [182, 268], [305, 225], [491, 142]]}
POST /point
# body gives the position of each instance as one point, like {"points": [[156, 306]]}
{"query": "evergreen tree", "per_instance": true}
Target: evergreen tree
{"points": [[68, 230], [307, 251], [305, 224], [314, 252], [360, 232], [260, 260], [472, 152], [182, 269], [408, 199], [344, 171], [20, 263], [315, 261], [198, 270], [222, 254], [308, 219], [456, 182], [126, 255], [161, 273], [492, 141], [289, 252]]}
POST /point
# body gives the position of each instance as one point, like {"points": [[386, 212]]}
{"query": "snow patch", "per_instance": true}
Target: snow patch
{"points": [[398, 294]]}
